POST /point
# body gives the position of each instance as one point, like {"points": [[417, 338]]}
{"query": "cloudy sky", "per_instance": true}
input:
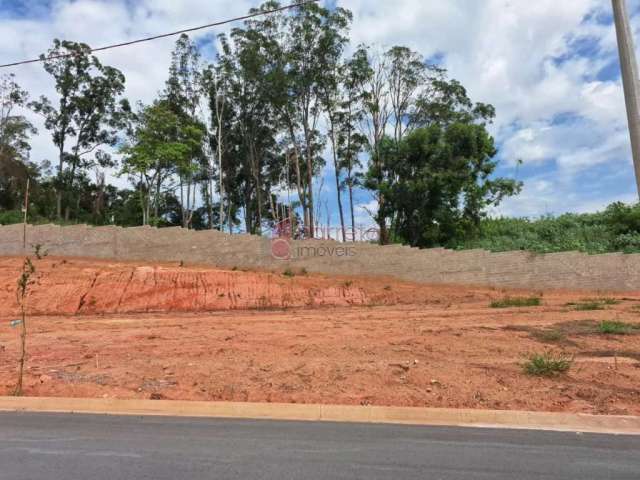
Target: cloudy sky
{"points": [[550, 67]]}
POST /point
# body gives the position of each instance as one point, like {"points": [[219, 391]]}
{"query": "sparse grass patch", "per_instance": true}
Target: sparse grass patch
{"points": [[288, 273], [587, 306], [546, 364], [517, 302], [550, 336], [611, 327]]}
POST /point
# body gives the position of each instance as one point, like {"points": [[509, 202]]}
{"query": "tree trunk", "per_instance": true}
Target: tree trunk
{"points": [[337, 172]]}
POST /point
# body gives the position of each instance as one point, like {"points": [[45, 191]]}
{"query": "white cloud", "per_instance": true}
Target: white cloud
{"points": [[505, 51]]}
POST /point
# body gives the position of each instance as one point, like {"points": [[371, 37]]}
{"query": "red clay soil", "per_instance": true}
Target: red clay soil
{"points": [[133, 330]]}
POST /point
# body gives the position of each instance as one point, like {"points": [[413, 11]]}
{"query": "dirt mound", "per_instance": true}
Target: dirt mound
{"points": [[68, 286], [71, 286]]}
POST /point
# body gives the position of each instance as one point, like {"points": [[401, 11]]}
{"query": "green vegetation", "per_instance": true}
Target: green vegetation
{"points": [[517, 302], [611, 327], [616, 229], [546, 364], [288, 273], [586, 306]]}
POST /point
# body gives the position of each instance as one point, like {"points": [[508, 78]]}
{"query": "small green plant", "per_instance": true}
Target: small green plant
{"points": [[288, 273], [546, 364], [517, 302], [348, 283], [586, 306], [24, 282], [609, 301], [611, 327]]}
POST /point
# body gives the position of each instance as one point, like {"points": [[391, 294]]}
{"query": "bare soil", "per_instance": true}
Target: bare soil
{"points": [[135, 330]]}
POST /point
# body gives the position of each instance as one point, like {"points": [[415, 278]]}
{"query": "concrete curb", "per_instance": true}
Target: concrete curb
{"points": [[626, 425]]}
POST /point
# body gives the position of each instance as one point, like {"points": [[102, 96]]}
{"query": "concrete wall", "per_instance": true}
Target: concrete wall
{"points": [[572, 270]]}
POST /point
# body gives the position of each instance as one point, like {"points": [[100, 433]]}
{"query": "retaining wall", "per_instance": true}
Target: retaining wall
{"points": [[572, 270]]}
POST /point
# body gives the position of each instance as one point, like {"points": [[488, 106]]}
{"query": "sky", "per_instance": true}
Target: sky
{"points": [[549, 67]]}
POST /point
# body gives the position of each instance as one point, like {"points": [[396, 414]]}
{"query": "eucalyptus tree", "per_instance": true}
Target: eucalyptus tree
{"points": [[159, 140], [184, 93], [87, 115], [313, 40], [254, 128], [376, 116], [351, 142], [15, 131]]}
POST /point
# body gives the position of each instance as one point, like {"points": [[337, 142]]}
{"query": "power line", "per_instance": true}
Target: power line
{"points": [[165, 35]]}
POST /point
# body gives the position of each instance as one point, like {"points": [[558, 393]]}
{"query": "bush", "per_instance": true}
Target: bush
{"points": [[610, 327], [586, 306], [517, 302], [9, 217], [617, 229], [546, 364]]}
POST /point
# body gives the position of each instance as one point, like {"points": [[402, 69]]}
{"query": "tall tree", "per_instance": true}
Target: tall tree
{"points": [[160, 142], [184, 94], [15, 131], [88, 114]]}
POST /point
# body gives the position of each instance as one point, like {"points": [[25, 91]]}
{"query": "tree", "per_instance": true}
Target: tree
{"points": [[441, 183], [15, 130], [351, 142], [183, 94], [161, 142], [89, 112]]}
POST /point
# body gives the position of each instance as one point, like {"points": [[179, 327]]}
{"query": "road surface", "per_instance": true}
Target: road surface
{"points": [[65, 447]]}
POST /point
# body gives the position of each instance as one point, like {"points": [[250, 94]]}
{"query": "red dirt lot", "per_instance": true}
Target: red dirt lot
{"points": [[135, 330]]}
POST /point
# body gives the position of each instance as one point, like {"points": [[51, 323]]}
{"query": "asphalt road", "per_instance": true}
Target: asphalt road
{"points": [[66, 447]]}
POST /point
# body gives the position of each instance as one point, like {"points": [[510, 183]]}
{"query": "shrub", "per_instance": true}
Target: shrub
{"points": [[546, 364], [288, 273], [611, 327], [589, 306], [516, 302]]}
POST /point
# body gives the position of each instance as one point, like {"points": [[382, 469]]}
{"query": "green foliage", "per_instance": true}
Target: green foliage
{"points": [[288, 273], [611, 327], [587, 306], [616, 229], [88, 115], [516, 302], [439, 183], [546, 364]]}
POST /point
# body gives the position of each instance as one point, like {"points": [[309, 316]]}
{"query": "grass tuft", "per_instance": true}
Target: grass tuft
{"points": [[611, 327], [586, 306], [288, 273], [517, 302], [546, 364]]}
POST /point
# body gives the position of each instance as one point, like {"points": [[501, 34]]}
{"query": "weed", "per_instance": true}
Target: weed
{"points": [[348, 283], [546, 364], [611, 327], [516, 302], [288, 273], [585, 306]]}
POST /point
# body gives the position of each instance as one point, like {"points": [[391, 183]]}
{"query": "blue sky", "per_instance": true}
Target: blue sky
{"points": [[549, 67]]}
